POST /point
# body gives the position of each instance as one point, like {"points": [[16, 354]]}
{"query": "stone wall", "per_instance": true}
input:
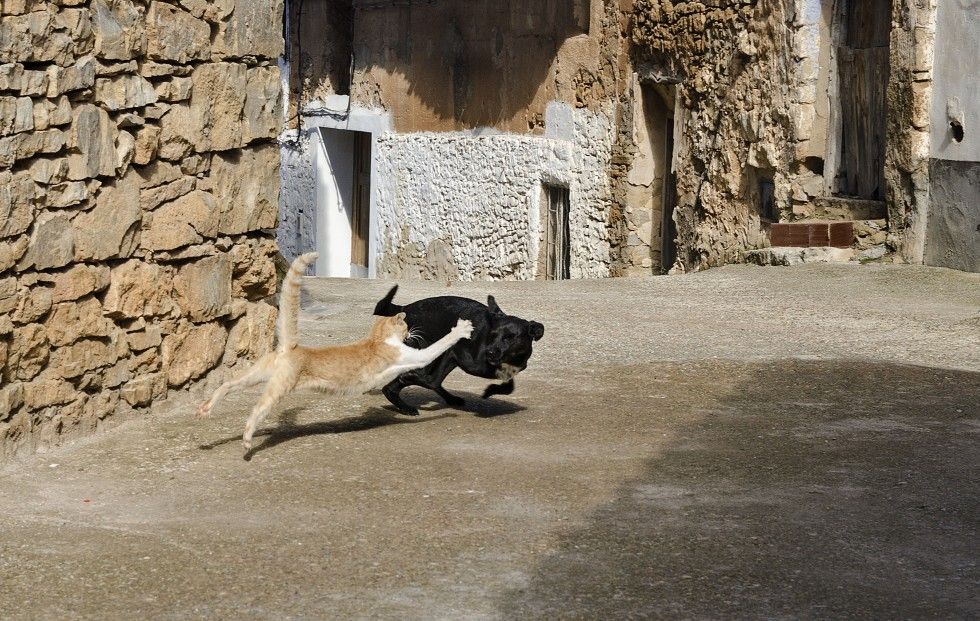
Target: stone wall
{"points": [[459, 206], [732, 63], [138, 184], [908, 97]]}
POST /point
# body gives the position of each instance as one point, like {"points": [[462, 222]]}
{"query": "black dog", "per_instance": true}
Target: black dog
{"points": [[498, 349]]}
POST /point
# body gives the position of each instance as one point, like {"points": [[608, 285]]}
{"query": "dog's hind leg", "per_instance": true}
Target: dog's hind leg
{"points": [[278, 387], [256, 375], [436, 375], [393, 389]]}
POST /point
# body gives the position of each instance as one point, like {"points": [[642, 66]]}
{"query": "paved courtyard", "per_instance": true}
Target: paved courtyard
{"points": [[739, 443]]}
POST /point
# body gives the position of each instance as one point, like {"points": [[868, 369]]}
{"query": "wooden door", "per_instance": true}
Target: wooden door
{"points": [[862, 69], [668, 229], [556, 243], [361, 205]]}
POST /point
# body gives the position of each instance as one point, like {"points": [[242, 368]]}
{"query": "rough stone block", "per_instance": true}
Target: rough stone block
{"points": [[32, 38], [16, 115], [93, 135], [147, 144], [124, 92], [27, 144], [17, 203], [187, 220], [112, 228], [145, 389], [216, 105], [192, 351], [153, 197], [203, 288], [43, 393], [78, 281], [70, 321], [252, 29], [142, 340], [11, 252], [52, 243], [49, 113], [138, 289], [28, 352], [248, 201], [83, 356], [66, 79], [175, 35], [177, 89], [262, 112], [118, 29], [254, 269], [252, 335], [66, 194], [10, 76], [32, 304]]}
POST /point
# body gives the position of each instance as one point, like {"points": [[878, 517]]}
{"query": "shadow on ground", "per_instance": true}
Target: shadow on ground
{"points": [[286, 428], [806, 489]]}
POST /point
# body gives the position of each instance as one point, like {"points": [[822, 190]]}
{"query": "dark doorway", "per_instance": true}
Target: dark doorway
{"points": [[361, 205], [668, 253], [862, 70], [555, 249]]}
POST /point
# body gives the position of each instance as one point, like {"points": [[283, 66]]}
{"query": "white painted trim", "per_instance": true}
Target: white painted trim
{"points": [[317, 115]]}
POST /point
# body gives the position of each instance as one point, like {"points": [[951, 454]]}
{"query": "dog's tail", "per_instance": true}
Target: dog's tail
{"points": [[385, 307], [289, 301]]}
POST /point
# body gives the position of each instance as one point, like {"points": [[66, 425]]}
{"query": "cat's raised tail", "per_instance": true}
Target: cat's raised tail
{"points": [[289, 301]]}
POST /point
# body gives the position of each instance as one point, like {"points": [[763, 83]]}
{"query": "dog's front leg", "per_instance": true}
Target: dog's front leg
{"points": [[499, 389], [412, 358]]}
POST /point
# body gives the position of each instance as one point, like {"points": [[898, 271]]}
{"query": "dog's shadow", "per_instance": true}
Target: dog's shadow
{"points": [[425, 401], [289, 429]]}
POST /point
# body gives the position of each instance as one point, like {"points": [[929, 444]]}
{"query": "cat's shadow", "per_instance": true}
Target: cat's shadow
{"points": [[288, 429]]}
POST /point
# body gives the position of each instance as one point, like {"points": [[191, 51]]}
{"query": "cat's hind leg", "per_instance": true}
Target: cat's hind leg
{"points": [[281, 382], [259, 373]]}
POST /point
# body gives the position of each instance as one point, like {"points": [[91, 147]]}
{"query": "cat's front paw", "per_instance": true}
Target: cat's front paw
{"points": [[204, 409], [463, 329]]}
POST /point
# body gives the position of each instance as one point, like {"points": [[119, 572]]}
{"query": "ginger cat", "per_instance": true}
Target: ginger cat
{"points": [[341, 369]]}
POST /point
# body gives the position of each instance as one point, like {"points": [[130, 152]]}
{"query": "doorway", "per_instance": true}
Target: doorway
{"points": [[862, 78], [342, 170], [668, 237], [555, 259]]}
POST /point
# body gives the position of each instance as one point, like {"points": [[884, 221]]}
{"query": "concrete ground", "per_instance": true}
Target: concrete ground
{"points": [[740, 443]]}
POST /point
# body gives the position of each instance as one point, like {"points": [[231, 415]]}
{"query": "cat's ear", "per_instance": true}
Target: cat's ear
{"points": [[537, 330], [492, 305], [400, 316]]}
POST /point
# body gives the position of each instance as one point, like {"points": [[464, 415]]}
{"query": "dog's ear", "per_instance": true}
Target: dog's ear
{"points": [[492, 305], [537, 330]]}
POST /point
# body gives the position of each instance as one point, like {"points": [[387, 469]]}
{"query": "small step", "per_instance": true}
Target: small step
{"points": [[793, 255]]}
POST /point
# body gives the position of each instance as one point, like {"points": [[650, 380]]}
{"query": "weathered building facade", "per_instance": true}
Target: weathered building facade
{"points": [[139, 191], [492, 139]]}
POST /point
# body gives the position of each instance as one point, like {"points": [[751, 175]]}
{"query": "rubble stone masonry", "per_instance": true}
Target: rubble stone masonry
{"points": [[139, 185]]}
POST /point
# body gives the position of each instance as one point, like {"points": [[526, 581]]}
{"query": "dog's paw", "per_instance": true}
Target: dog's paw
{"points": [[463, 329]]}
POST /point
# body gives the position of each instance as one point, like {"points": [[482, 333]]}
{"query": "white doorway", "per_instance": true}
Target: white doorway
{"points": [[342, 168]]}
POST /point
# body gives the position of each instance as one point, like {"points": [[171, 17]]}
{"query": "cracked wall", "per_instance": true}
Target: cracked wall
{"points": [[138, 187], [731, 62]]}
